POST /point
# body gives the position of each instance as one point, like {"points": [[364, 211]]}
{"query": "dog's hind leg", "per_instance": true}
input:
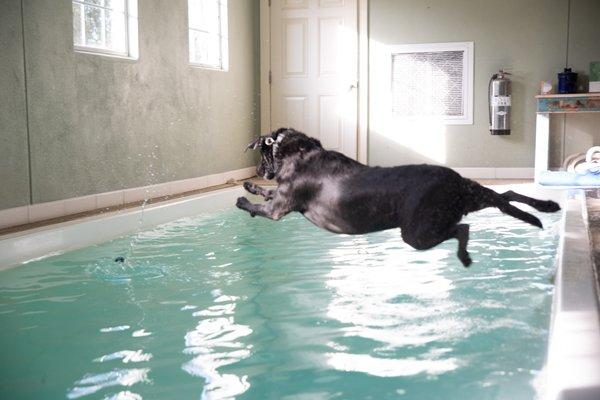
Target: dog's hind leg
{"points": [[462, 235], [483, 197], [259, 190], [524, 216], [423, 240], [540, 205]]}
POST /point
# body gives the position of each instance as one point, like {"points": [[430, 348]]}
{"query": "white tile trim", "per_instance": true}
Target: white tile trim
{"points": [[54, 209], [14, 216]]}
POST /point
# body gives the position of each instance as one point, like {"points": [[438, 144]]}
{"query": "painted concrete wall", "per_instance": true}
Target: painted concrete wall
{"points": [[528, 38], [100, 123], [14, 169]]}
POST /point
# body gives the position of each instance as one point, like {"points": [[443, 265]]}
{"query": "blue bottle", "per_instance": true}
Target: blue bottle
{"points": [[567, 81]]}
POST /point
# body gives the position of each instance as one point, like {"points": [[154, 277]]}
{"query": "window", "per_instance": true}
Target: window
{"points": [[433, 80], [208, 33], [106, 26]]}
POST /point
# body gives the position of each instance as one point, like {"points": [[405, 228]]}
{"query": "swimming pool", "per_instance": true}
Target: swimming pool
{"points": [[220, 305]]}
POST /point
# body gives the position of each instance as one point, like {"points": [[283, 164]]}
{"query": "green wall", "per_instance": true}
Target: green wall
{"points": [[527, 37], [14, 166], [100, 123]]}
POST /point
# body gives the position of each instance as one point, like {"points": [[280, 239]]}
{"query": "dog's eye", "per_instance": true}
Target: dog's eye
{"points": [[269, 141]]}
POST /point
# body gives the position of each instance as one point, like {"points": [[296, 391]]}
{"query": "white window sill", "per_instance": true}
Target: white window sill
{"points": [[105, 53], [208, 67]]}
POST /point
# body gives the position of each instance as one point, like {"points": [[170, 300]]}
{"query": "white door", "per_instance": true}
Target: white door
{"points": [[314, 63]]}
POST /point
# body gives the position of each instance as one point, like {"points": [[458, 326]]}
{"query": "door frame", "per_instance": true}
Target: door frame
{"points": [[362, 123]]}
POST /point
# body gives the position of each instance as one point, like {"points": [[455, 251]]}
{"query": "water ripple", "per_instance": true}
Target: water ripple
{"points": [[91, 384]]}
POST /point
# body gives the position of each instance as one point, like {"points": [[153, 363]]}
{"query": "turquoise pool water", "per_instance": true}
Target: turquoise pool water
{"points": [[225, 306]]}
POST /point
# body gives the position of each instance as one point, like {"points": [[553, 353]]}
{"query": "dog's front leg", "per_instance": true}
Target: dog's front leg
{"points": [[272, 210], [259, 190]]}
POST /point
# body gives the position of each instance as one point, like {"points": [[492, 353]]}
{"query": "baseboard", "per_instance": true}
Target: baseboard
{"points": [[496, 173], [60, 208]]}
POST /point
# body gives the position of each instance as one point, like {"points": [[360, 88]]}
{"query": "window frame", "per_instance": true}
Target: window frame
{"points": [[467, 77], [222, 37], [131, 36]]}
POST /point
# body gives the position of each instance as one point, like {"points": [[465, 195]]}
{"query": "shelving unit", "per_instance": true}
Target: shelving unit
{"points": [[549, 104]]}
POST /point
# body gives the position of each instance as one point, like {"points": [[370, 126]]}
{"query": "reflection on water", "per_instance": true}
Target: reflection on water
{"points": [[126, 356], [90, 384], [216, 342], [388, 298], [223, 306], [389, 367]]}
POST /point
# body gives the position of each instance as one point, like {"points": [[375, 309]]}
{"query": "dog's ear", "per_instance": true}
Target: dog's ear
{"points": [[307, 143], [297, 144], [253, 145]]}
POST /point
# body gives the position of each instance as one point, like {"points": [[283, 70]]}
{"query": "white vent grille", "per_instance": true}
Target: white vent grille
{"points": [[432, 80]]}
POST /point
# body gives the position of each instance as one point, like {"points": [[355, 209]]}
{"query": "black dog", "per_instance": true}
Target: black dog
{"points": [[341, 195]]}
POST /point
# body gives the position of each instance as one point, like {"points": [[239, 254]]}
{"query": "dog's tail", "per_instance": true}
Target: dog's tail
{"points": [[488, 198]]}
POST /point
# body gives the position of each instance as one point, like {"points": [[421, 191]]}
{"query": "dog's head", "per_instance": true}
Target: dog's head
{"points": [[279, 145]]}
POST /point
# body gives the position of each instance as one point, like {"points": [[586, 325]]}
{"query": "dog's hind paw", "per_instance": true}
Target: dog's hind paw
{"points": [[549, 206], [465, 259]]}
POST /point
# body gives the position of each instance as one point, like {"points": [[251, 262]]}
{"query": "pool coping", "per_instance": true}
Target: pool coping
{"points": [[572, 368]]}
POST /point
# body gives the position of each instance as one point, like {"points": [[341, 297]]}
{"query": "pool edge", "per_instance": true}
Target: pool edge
{"points": [[572, 369]]}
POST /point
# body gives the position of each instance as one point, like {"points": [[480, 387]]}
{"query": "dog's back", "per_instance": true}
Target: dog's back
{"points": [[379, 198]]}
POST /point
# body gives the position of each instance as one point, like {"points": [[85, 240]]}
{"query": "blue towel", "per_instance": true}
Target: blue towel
{"points": [[564, 178]]}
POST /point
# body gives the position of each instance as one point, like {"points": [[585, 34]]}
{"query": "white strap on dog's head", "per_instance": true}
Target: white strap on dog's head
{"points": [[274, 142]]}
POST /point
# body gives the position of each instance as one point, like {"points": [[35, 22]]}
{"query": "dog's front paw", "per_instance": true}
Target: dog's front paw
{"points": [[249, 186], [242, 203]]}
